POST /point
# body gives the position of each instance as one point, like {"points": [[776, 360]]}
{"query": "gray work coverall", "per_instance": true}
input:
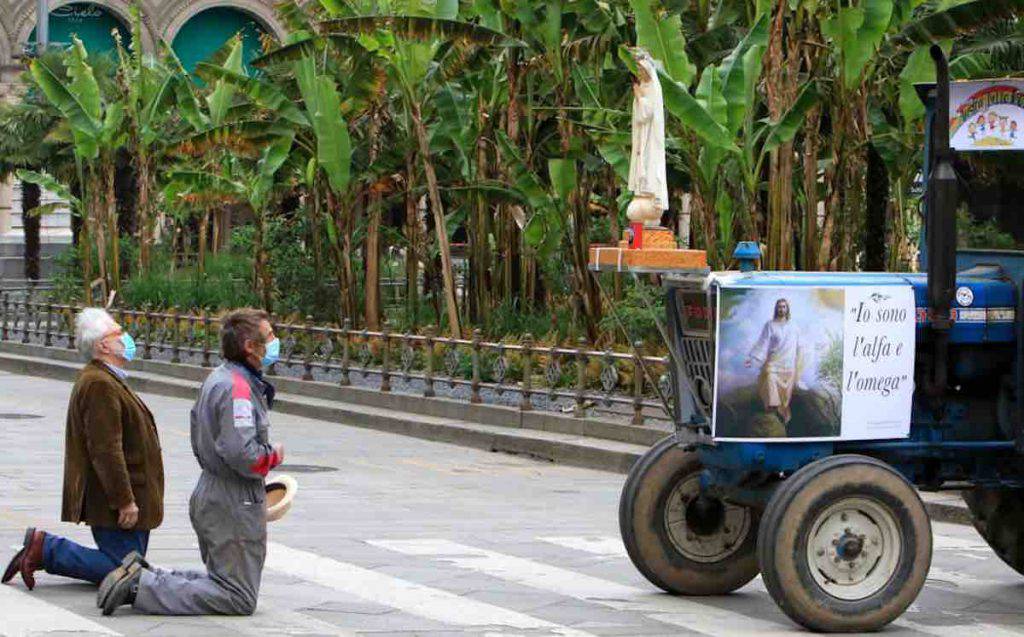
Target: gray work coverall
{"points": [[228, 511]]}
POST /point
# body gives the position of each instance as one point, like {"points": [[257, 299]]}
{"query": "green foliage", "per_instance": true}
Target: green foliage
{"points": [[637, 316], [226, 283], [975, 233]]}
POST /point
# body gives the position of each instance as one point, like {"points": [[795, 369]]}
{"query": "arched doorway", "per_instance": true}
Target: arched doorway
{"points": [[207, 31], [92, 23]]}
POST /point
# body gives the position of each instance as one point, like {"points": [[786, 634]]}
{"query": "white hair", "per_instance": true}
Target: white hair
{"points": [[90, 326]]}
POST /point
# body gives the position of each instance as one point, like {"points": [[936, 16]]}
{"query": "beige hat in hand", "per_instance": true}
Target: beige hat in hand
{"points": [[281, 490]]}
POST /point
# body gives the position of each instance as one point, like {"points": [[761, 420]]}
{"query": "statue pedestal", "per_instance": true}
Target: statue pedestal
{"points": [[649, 250]]}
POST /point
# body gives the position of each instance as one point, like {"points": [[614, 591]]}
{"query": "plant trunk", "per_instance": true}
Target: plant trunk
{"points": [[144, 210], [447, 271], [877, 203], [98, 219], [218, 216], [412, 232], [109, 177], [371, 249], [479, 245], [809, 244], [31, 195], [513, 261], [262, 269], [340, 244], [204, 228], [372, 264]]}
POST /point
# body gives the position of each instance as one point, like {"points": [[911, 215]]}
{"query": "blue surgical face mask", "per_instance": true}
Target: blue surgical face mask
{"points": [[129, 346], [273, 353]]}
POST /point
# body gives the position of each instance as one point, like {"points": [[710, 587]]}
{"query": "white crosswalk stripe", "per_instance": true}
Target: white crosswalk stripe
{"points": [[410, 597], [603, 545], [609, 546], [678, 611], [22, 615]]}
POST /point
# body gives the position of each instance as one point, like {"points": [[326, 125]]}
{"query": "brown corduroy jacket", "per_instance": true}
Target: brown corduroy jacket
{"points": [[111, 453]]}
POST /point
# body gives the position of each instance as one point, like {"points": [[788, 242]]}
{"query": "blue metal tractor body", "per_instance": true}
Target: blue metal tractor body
{"points": [[961, 442]]}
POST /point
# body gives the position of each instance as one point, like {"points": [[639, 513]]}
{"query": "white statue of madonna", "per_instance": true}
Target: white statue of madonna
{"points": [[647, 177]]}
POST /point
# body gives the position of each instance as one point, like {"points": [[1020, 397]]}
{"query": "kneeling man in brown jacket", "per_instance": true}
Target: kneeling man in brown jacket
{"points": [[113, 469]]}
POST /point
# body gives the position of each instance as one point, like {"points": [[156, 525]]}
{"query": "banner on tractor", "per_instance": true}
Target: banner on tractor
{"points": [[813, 363], [986, 115]]}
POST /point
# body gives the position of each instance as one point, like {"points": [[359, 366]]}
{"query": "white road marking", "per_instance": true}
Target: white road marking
{"points": [[611, 546], [677, 611], [603, 545], [22, 615], [416, 599]]}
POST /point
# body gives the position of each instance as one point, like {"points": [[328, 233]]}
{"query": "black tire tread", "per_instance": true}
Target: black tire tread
{"points": [[998, 516], [710, 583], [772, 519]]}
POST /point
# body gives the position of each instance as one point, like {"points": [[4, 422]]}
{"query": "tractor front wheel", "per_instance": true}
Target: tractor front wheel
{"points": [[845, 545], [683, 541]]}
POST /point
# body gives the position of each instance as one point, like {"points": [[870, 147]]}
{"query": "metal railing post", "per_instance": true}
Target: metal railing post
{"points": [[385, 374], [638, 384], [346, 352], [428, 347], [524, 402], [579, 410], [206, 339], [475, 384]]}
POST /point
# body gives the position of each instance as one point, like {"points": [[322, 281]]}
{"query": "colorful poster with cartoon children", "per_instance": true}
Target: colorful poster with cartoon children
{"points": [[986, 115]]}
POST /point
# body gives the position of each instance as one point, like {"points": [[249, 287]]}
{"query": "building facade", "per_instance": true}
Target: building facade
{"points": [[193, 28]]}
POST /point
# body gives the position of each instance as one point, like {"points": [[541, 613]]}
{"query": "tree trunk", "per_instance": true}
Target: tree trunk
{"points": [[478, 237], [340, 244], [371, 249], [412, 232], [262, 270], [372, 264], [513, 261], [98, 219], [145, 213], [877, 203], [31, 195], [447, 271], [810, 164], [218, 216], [204, 227], [109, 175]]}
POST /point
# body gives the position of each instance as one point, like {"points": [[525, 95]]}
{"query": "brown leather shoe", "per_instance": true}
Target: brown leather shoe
{"points": [[32, 561], [14, 566]]}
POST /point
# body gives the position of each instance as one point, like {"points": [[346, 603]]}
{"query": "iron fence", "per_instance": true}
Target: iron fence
{"points": [[524, 374]]}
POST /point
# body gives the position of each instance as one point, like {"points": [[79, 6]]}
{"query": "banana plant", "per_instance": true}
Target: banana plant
{"points": [[97, 132], [240, 181], [149, 87], [412, 47]]}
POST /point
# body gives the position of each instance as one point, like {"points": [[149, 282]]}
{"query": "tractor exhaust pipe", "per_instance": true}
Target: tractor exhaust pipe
{"points": [[943, 199]]}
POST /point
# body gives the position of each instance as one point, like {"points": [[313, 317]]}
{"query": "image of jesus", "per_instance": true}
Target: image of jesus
{"points": [[777, 351]]}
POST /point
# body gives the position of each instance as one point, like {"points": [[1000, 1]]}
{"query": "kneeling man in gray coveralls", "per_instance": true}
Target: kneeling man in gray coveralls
{"points": [[230, 439]]}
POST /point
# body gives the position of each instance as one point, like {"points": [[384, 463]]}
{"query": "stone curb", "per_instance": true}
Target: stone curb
{"points": [[643, 435], [558, 443]]}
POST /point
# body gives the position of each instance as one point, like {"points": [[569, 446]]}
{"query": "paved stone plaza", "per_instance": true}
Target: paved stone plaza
{"points": [[398, 536]]}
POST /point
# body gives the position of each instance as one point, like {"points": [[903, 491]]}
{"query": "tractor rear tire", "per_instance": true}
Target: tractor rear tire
{"points": [[998, 515], [845, 545], [683, 542]]}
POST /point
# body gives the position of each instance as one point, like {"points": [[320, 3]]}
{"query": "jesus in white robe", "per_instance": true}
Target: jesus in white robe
{"points": [[778, 352]]}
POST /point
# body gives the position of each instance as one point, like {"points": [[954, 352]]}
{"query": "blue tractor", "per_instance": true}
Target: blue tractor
{"points": [[836, 526]]}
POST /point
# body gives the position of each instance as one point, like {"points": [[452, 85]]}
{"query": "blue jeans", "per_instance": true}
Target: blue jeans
{"points": [[64, 557]]}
